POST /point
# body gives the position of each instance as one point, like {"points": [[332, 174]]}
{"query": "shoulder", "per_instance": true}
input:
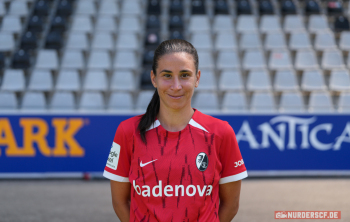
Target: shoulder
{"points": [[129, 126], [212, 124]]}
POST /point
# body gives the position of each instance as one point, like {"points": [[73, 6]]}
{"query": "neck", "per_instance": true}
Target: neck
{"points": [[174, 120]]}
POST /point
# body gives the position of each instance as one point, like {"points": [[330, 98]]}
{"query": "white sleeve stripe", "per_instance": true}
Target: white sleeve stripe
{"points": [[232, 178], [114, 177]]}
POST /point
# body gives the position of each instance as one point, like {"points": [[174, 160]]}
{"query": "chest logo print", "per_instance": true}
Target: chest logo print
{"points": [[202, 161], [144, 164]]}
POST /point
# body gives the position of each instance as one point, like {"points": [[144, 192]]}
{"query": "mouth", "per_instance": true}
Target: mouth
{"points": [[175, 97]]}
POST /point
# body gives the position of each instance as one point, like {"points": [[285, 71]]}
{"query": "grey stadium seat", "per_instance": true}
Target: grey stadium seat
{"points": [[85, 7], [202, 41], [332, 59], [40, 80], [270, 23], [68, 80], [223, 23], [206, 60], [231, 80], [72, 59], [292, 102], [120, 101], [127, 41], [47, 59], [106, 24], [293, 23], [339, 80], [206, 101], [344, 42], [33, 100], [280, 59], [234, 102], [250, 41], [247, 23], [18, 8], [275, 41], [91, 101], [109, 7], [228, 60], [130, 24], [300, 40], [7, 42], [103, 41], [207, 80], [82, 23], [143, 100], [254, 59], [13, 80], [263, 102], [95, 80], [99, 60], [123, 80], [225, 41], [320, 102], [286, 80], [11, 24], [318, 23], [313, 80], [344, 102], [199, 23], [8, 100], [62, 101], [306, 59], [325, 40], [258, 80], [131, 8], [125, 60], [77, 40]]}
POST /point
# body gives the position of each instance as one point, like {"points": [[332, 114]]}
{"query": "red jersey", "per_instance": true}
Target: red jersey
{"points": [[175, 176]]}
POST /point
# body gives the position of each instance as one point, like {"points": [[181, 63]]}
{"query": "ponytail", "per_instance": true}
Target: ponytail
{"points": [[166, 47]]}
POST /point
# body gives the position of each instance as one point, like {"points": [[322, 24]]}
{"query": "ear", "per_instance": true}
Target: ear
{"points": [[153, 79], [198, 77]]}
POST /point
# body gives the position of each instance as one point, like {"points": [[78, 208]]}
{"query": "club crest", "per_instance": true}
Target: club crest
{"points": [[202, 161]]}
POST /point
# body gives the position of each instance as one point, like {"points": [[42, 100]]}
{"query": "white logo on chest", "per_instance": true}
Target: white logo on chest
{"points": [[144, 164]]}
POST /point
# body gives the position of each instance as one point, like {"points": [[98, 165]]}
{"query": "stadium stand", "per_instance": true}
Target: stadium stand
{"points": [[255, 55]]}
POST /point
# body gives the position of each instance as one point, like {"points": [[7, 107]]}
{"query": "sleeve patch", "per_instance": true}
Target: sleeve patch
{"points": [[113, 157]]}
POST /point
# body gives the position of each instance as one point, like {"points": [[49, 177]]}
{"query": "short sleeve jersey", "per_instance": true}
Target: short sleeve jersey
{"points": [[175, 176]]}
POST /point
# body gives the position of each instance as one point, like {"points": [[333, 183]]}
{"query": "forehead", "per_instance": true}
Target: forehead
{"points": [[175, 60]]}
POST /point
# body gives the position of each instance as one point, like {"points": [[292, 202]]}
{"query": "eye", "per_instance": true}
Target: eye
{"points": [[167, 75], [184, 75]]}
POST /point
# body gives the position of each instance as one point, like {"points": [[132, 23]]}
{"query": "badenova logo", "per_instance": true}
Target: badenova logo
{"points": [[296, 126], [169, 190]]}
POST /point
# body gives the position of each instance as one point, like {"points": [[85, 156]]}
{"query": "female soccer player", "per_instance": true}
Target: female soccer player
{"points": [[175, 163]]}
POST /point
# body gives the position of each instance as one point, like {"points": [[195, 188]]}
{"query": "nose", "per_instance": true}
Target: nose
{"points": [[176, 84]]}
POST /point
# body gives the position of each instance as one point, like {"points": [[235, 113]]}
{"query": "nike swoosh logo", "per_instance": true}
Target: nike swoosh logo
{"points": [[144, 164]]}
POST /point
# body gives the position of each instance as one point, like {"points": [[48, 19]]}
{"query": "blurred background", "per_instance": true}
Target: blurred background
{"points": [[72, 70]]}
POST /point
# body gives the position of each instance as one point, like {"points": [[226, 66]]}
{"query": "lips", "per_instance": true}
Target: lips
{"points": [[175, 97]]}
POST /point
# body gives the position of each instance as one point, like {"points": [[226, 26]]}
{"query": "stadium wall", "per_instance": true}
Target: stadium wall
{"points": [[71, 145]]}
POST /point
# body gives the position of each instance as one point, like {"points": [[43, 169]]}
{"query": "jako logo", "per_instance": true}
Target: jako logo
{"points": [[35, 131], [157, 191], [239, 163]]}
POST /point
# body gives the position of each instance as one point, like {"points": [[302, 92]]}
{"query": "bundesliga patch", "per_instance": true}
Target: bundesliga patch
{"points": [[113, 157], [202, 161]]}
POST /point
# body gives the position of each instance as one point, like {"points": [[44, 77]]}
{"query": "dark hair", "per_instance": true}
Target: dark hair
{"points": [[166, 47]]}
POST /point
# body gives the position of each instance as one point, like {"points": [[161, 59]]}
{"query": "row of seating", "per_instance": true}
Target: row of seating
{"points": [[230, 80], [232, 102]]}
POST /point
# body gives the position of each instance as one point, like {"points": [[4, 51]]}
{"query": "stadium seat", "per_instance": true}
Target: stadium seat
{"points": [[270, 23], [120, 101], [176, 23], [258, 80], [341, 24], [64, 8], [300, 40], [99, 60], [231, 80], [68, 80], [40, 80], [28, 41], [123, 80], [91, 101], [105, 24], [206, 101], [47, 59], [247, 23], [199, 23], [2, 60], [228, 60], [153, 22], [225, 41], [152, 39], [109, 7], [344, 42], [35, 24], [13, 80], [343, 103], [148, 57], [223, 23], [54, 40], [243, 7], [127, 41], [125, 60], [72, 59], [82, 23], [41, 8], [18, 8], [176, 7], [8, 101], [234, 102], [262, 102], [312, 7], [207, 81], [250, 41], [102, 41], [325, 40], [11, 24], [207, 61], [154, 7], [318, 23], [334, 7], [286, 80], [280, 59], [95, 80], [7, 42], [293, 23], [306, 59], [85, 7], [33, 100], [221, 7], [176, 35], [62, 101], [145, 82], [2, 9], [339, 80], [265, 7], [77, 41], [288, 7], [313, 80], [198, 7], [131, 8], [320, 102], [202, 41], [59, 24], [275, 41], [332, 59], [130, 24], [20, 60], [254, 59], [143, 99], [292, 102]]}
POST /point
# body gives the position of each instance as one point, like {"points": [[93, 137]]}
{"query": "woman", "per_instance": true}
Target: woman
{"points": [[175, 163]]}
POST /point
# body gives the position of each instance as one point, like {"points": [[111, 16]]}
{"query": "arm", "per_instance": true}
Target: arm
{"points": [[121, 199], [229, 200]]}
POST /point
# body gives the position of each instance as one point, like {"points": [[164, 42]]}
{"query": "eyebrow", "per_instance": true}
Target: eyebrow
{"points": [[168, 71]]}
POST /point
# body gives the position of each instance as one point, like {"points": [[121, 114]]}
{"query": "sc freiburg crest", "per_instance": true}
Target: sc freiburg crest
{"points": [[202, 161]]}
